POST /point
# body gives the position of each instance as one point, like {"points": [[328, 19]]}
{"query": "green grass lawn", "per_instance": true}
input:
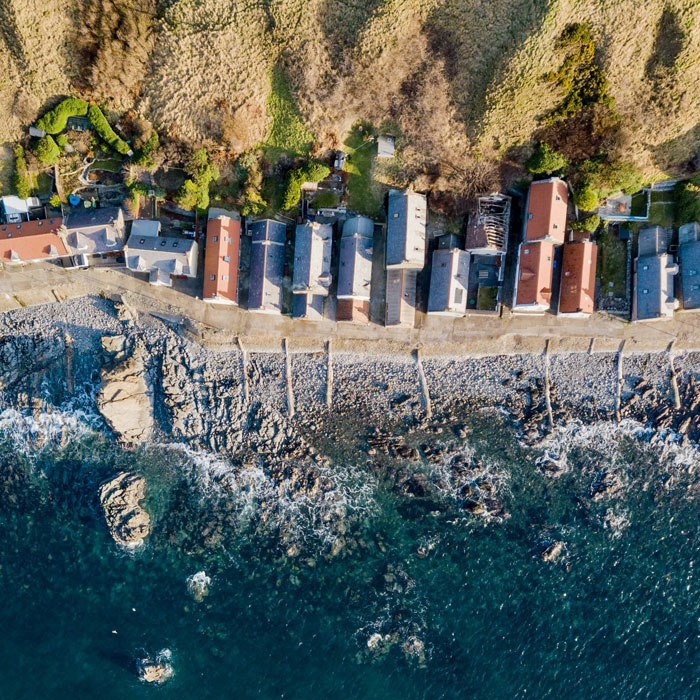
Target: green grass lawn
{"points": [[7, 168], [612, 265], [661, 214], [42, 183], [288, 133], [364, 195], [114, 165]]}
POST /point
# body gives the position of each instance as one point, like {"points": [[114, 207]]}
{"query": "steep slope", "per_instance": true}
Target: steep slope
{"points": [[462, 80]]}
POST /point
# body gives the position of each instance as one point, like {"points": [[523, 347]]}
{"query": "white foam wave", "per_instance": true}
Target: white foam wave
{"points": [[29, 431]]}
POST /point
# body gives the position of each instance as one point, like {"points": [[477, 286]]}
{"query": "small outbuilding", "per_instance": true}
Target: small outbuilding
{"points": [[386, 146]]}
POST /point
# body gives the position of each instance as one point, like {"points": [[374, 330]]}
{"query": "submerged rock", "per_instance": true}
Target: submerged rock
{"points": [[126, 400], [198, 586], [156, 670], [553, 551], [128, 522]]}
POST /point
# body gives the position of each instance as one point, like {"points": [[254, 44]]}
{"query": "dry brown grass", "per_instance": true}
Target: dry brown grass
{"points": [[462, 79]]}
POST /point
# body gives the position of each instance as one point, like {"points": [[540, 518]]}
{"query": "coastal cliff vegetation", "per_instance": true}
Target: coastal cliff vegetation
{"points": [[612, 88]]}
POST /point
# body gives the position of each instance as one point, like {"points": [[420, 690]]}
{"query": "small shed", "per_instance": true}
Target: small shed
{"points": [[386, 146]]}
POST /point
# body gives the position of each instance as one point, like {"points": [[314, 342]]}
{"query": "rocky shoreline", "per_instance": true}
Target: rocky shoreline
{"points": [[286, 414]]}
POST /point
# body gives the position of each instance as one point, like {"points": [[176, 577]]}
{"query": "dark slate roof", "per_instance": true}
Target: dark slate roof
{"points": [[406, 228], [654, 282], [268, 230], [267, 265], [103, 216], [690, 275], [355, 269], [312, 257], [442, 280], [652, 241]]}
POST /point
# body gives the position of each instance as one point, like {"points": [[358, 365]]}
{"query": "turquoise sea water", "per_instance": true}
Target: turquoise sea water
{"points": [[465, 606]]}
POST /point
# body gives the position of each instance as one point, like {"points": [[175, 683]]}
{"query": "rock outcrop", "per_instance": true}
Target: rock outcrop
{"points": [[121, 499], [156, 670], [125, 400]]}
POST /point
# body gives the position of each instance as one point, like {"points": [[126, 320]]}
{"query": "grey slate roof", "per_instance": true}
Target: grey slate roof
{"points": [[449, 281], [93, 217], [177, 256], [145, 227], [266, 265], [355, 269], [690, 274], [400, 297], [689, 233], [654, 292], [96, 231], [406, 229], [652, 241], [312, 258]]}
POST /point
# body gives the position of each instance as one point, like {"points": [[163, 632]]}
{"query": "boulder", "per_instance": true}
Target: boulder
{"points": [[121, 499], [553, 552], [125, 400], [154, 671]]}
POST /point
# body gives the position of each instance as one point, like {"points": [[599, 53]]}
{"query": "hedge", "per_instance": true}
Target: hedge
{"points": [[311, 172], [20, 179], [589, 224], [47, 151], [103, 128], [54, 121]]}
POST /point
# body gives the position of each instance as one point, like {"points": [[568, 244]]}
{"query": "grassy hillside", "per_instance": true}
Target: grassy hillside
{"points": [[463, 81]]}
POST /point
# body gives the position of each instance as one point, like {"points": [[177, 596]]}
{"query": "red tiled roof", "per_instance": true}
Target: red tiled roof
{"points": [[578, 278], [31, 240], [546, 211], [535, 273], [223, 241]]}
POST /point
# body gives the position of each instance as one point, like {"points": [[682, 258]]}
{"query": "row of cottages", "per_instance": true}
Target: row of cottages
{"points": [[544, 241], [159, 257], [654, 274], [689, 257], [77, 240], [311, 282], [405, 254]]}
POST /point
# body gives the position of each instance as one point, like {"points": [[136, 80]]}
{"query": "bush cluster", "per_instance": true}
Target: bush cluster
{"points": [[141, 189], [54, 121], [253, 203], [21, 182], [145, 156], [47, 152], [585, 198], [194, 193], [579, 74], [311, 172], [103, 128], [604, 176], [546, 160], [589, 224], [687, 201]]}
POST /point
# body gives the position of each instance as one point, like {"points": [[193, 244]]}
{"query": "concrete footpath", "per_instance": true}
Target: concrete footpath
{"points": [[474, 336]]}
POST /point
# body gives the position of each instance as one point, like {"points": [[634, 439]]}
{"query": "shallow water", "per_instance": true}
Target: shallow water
{"points": [[465, 605]]}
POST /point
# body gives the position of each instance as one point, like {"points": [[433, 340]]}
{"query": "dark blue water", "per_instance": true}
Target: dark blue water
{"points": [[423, 600]]}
